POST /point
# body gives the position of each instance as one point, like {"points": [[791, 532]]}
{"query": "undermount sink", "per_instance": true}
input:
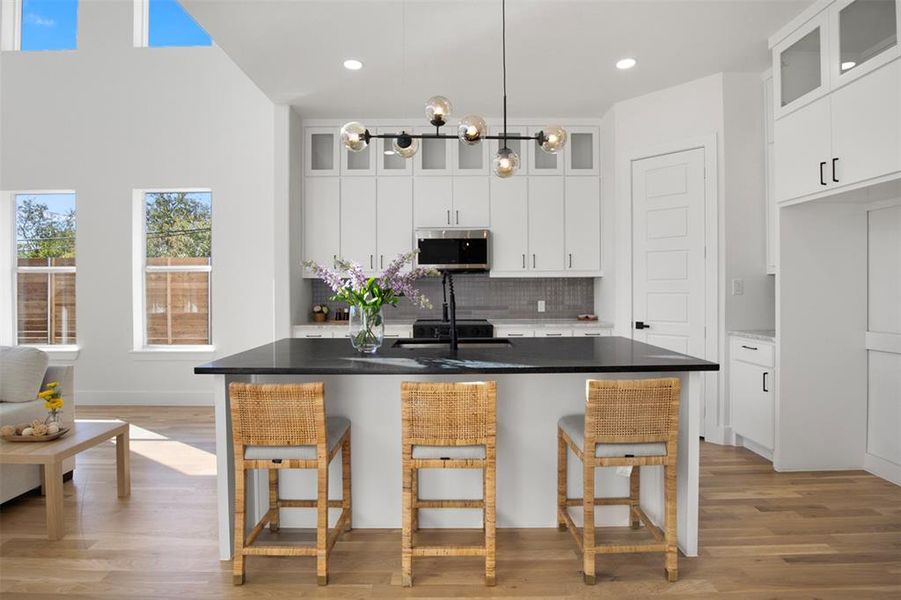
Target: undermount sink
{"points": [[465, 343]]}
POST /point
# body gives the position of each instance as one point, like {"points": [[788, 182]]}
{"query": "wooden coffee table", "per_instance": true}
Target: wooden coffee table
{"points": [[50, 455]]}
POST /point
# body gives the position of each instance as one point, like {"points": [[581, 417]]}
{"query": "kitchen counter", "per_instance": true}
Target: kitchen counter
{"points": [[293, 356], [539, 380], [763, 335], [497, 322]]}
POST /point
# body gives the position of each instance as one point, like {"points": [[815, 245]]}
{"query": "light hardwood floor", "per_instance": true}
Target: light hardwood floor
{"points": [[763, 535]]}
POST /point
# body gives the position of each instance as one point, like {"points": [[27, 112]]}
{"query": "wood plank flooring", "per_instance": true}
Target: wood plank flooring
{"points": [[764, 535]]}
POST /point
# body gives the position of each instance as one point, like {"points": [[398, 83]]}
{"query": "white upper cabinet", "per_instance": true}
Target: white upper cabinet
{"points": [[471, 159], [583, 224], [471, 202], [521, 147], [433, 201], [801, 66], [435, 156], [394, 218], [865, 37], [803, 151], [391, 164], [358, 221], [581, 151], [544, 163], [509, 225], [358, 164], [866, 120], [321, 151], [321, 220], [546, 224]]}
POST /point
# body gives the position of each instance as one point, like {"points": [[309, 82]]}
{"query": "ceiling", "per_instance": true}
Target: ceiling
{"points": [[560, 54]]}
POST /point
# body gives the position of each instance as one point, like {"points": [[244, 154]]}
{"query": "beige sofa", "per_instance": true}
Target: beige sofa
{"points": [[15, 480]]}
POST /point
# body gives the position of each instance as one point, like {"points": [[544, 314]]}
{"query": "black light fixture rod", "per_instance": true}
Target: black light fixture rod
{"points": [[446, 136], [504, 63]]}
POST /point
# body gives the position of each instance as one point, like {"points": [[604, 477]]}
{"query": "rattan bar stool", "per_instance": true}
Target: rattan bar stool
{"points": [[626, 423], [447, 426], [284, 427]]}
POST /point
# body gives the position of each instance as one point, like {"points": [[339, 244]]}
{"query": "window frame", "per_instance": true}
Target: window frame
{"points": [[140, 269], [9, 332], [141, 30], [11, 28]]}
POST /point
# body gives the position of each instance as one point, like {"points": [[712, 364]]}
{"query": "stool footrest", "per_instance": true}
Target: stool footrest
{"points": [[279, 551], [307, 503], [448, 551], [629, 549], [448, 463], [600, 501], [449, 504]]}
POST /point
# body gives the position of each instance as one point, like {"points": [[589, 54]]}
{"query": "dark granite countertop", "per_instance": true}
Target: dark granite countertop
{"points": [[294, 356]]}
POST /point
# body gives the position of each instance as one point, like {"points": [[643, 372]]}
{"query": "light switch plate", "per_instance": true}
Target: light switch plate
{"points": [[541, 306], [738, 287]]}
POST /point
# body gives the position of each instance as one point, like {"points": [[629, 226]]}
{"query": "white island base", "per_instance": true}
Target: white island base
{"points": [[528, 407]]}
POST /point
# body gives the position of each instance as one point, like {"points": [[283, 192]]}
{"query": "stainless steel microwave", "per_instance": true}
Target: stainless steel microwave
{"points": [[453, 249]]}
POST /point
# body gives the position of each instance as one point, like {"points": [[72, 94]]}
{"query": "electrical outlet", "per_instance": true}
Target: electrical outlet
{"points": [[541, 306], [738, 287]]}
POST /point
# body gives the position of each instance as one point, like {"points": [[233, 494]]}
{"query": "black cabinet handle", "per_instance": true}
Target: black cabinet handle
{"points": [[641, 325], [822, 181], [834, 178], [748, 347], [764, 381]]}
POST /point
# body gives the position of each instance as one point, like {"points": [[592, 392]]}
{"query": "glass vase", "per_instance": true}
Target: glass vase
{"points": [[367, 328], [54, 416]]}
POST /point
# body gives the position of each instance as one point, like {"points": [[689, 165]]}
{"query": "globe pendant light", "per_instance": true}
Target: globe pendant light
{"points": [[472, 128]]}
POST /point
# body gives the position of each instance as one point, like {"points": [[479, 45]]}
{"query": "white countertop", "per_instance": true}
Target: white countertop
{"points": [[532, 323], [763, 335]]}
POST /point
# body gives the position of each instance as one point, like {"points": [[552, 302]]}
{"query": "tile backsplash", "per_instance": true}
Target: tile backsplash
{"points": [[480, 296]]}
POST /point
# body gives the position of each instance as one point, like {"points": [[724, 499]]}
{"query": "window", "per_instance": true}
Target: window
{"points": [[160, 23], [175, 267], [45, 268], [40, 24]]}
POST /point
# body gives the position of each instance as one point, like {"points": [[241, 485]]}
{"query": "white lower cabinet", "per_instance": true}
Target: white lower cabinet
{"points": [[752, 385], [582, 229], [540, 330], [509, 225], [340, 330]]}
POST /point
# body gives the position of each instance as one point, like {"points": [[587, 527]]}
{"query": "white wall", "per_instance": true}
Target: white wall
{"points": [[109, 118], [728, 106]]}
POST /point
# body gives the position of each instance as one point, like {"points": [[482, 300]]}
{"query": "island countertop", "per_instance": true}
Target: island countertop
{"points": [[293, 356]]}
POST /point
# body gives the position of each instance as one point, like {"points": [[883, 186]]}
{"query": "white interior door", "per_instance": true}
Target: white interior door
{"points": [[668, 237]]}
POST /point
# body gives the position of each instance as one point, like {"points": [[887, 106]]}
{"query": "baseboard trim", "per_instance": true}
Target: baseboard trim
{"points": [[754, 447], [142, 398], [882, 468]]}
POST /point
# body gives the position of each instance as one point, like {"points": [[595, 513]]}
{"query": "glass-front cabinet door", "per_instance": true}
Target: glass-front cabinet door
{"points": [[865, 36], [800, 61]]}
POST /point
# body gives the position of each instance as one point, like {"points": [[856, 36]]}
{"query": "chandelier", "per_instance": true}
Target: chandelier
{"points": [[472, 128]]}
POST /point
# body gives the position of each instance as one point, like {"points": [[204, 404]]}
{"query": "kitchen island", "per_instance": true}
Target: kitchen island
{"points": [[538, 381]]}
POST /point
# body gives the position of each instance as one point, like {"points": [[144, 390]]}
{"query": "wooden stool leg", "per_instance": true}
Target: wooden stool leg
{"points": [[123, 467], [672, 551], [634, 497], [346, 495], [238, 560], [588, 518], [561, 480], [322, 521], [414, 494], [406, 544], [53, 486], [273, 499], [490, 514]]}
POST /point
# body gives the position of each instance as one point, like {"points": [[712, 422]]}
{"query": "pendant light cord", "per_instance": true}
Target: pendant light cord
{"points": [[504, 61]]}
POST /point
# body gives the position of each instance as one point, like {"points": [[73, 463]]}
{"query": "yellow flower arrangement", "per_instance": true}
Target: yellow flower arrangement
{"points": [[53, 399]]}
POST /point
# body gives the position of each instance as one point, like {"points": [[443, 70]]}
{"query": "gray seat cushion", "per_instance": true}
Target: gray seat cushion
{"points": [[454, 452], [335, 429], [574, 427], [21, 373]]}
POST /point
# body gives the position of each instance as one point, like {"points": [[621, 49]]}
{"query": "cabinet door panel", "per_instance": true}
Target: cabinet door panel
{"points": [[321, 152], [358, 220], [470, 202], [432, 201], [583, 224], [752, 407], [395, 218], [866, 121], [800, 66], [802, 143], [321, 219], [509, 224], [543, 163], [435, 156], [546, 227]]}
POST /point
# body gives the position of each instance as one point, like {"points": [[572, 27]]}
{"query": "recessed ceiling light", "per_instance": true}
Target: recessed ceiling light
{"points": [[625, 63], [352, 64], [848, 65]]}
